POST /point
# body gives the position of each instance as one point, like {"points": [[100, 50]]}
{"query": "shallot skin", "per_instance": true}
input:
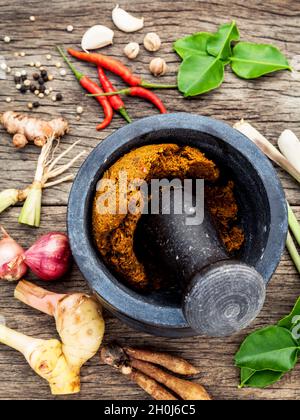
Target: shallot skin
{"points": [[12, 266], [50, 256]]}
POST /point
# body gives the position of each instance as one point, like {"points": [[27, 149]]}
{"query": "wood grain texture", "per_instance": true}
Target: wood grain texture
{"points": [[271, 103]]}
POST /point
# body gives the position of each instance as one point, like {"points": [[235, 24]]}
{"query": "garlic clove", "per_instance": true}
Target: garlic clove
{"points": [[126, 22], [97, 36]]}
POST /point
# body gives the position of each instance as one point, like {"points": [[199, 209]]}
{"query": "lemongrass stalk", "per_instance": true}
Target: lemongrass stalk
{"points": [[289, 146], [31, 210], [8, 198], [291, 246], [267, 148], [294, 224]]}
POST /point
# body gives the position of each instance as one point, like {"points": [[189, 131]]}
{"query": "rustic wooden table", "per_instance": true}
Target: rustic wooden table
{"points": [[271, 104]]}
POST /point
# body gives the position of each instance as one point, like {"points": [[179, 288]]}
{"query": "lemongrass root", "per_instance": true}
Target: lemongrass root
{"points": [[294, 224], [267, 148], [78, 319], [168, 361], [291, 246], [46, 358], [289, 146], [185, 389]]}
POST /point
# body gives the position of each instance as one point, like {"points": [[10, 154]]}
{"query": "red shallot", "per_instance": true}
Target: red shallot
{"points": [[49, 257], [12, 266]]}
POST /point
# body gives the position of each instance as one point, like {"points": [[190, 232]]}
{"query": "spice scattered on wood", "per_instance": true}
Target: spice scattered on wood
{"points": [[132, 50], [7, 39], [158, 67], [32, 18], [70, 28], [152, 42]]}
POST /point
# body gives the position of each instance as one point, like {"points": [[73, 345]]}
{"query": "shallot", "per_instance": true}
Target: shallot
{"points": [[49, 257], [12, 266]]}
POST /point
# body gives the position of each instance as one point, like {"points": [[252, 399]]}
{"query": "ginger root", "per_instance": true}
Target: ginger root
{"points": [[78, 317], [27, 129], [46, 358]]}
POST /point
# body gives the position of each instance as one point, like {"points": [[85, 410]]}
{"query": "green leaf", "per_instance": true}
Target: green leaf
{"points": [[290, 321], [272, 348], [192, 45], [250, 61], [199, 74], [259, 379], [220, 44]]}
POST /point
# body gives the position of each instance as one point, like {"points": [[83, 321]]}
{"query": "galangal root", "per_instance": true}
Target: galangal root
{"points": [[79, 324], [78, 317], [46, 358], [27, 129], [139, 365]]}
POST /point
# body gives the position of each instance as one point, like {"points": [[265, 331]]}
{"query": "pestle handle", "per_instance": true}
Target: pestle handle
{"points": [[224, 298]]}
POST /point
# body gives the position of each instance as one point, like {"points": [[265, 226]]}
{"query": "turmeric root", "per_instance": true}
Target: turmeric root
{"points": [[46, 358], [78, 319], [168, 361], [27, 129], [185, 389], [113, 355]]}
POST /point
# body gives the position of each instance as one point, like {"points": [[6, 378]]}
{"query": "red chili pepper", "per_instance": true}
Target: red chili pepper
{"points": [[115, 101], [94, 89], [141, 93], [116, 67]]}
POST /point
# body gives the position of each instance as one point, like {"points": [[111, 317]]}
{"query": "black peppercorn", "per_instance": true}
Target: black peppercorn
{"points": [[36, 76], [44, 73], [36, 104], [46, 78], [32, 88], [42, 88], [23, 89], [17, 80], [59, 97], [23, 77], [41, 81]]}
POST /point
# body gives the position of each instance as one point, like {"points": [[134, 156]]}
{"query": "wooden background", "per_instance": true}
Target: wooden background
{"points": [[271, 104]]}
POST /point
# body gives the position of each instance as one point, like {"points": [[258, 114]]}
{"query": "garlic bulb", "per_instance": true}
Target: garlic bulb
{"points": [[97, 36], [132, 50], [126, 22], [152, 42], [158, 67]]}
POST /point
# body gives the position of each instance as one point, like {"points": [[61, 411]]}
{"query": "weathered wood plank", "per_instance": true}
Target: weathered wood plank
{"points": [[271, 103]]}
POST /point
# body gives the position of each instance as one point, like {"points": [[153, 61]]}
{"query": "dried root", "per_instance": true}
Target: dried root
{"points": [[27, 129], [131, 362]]}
